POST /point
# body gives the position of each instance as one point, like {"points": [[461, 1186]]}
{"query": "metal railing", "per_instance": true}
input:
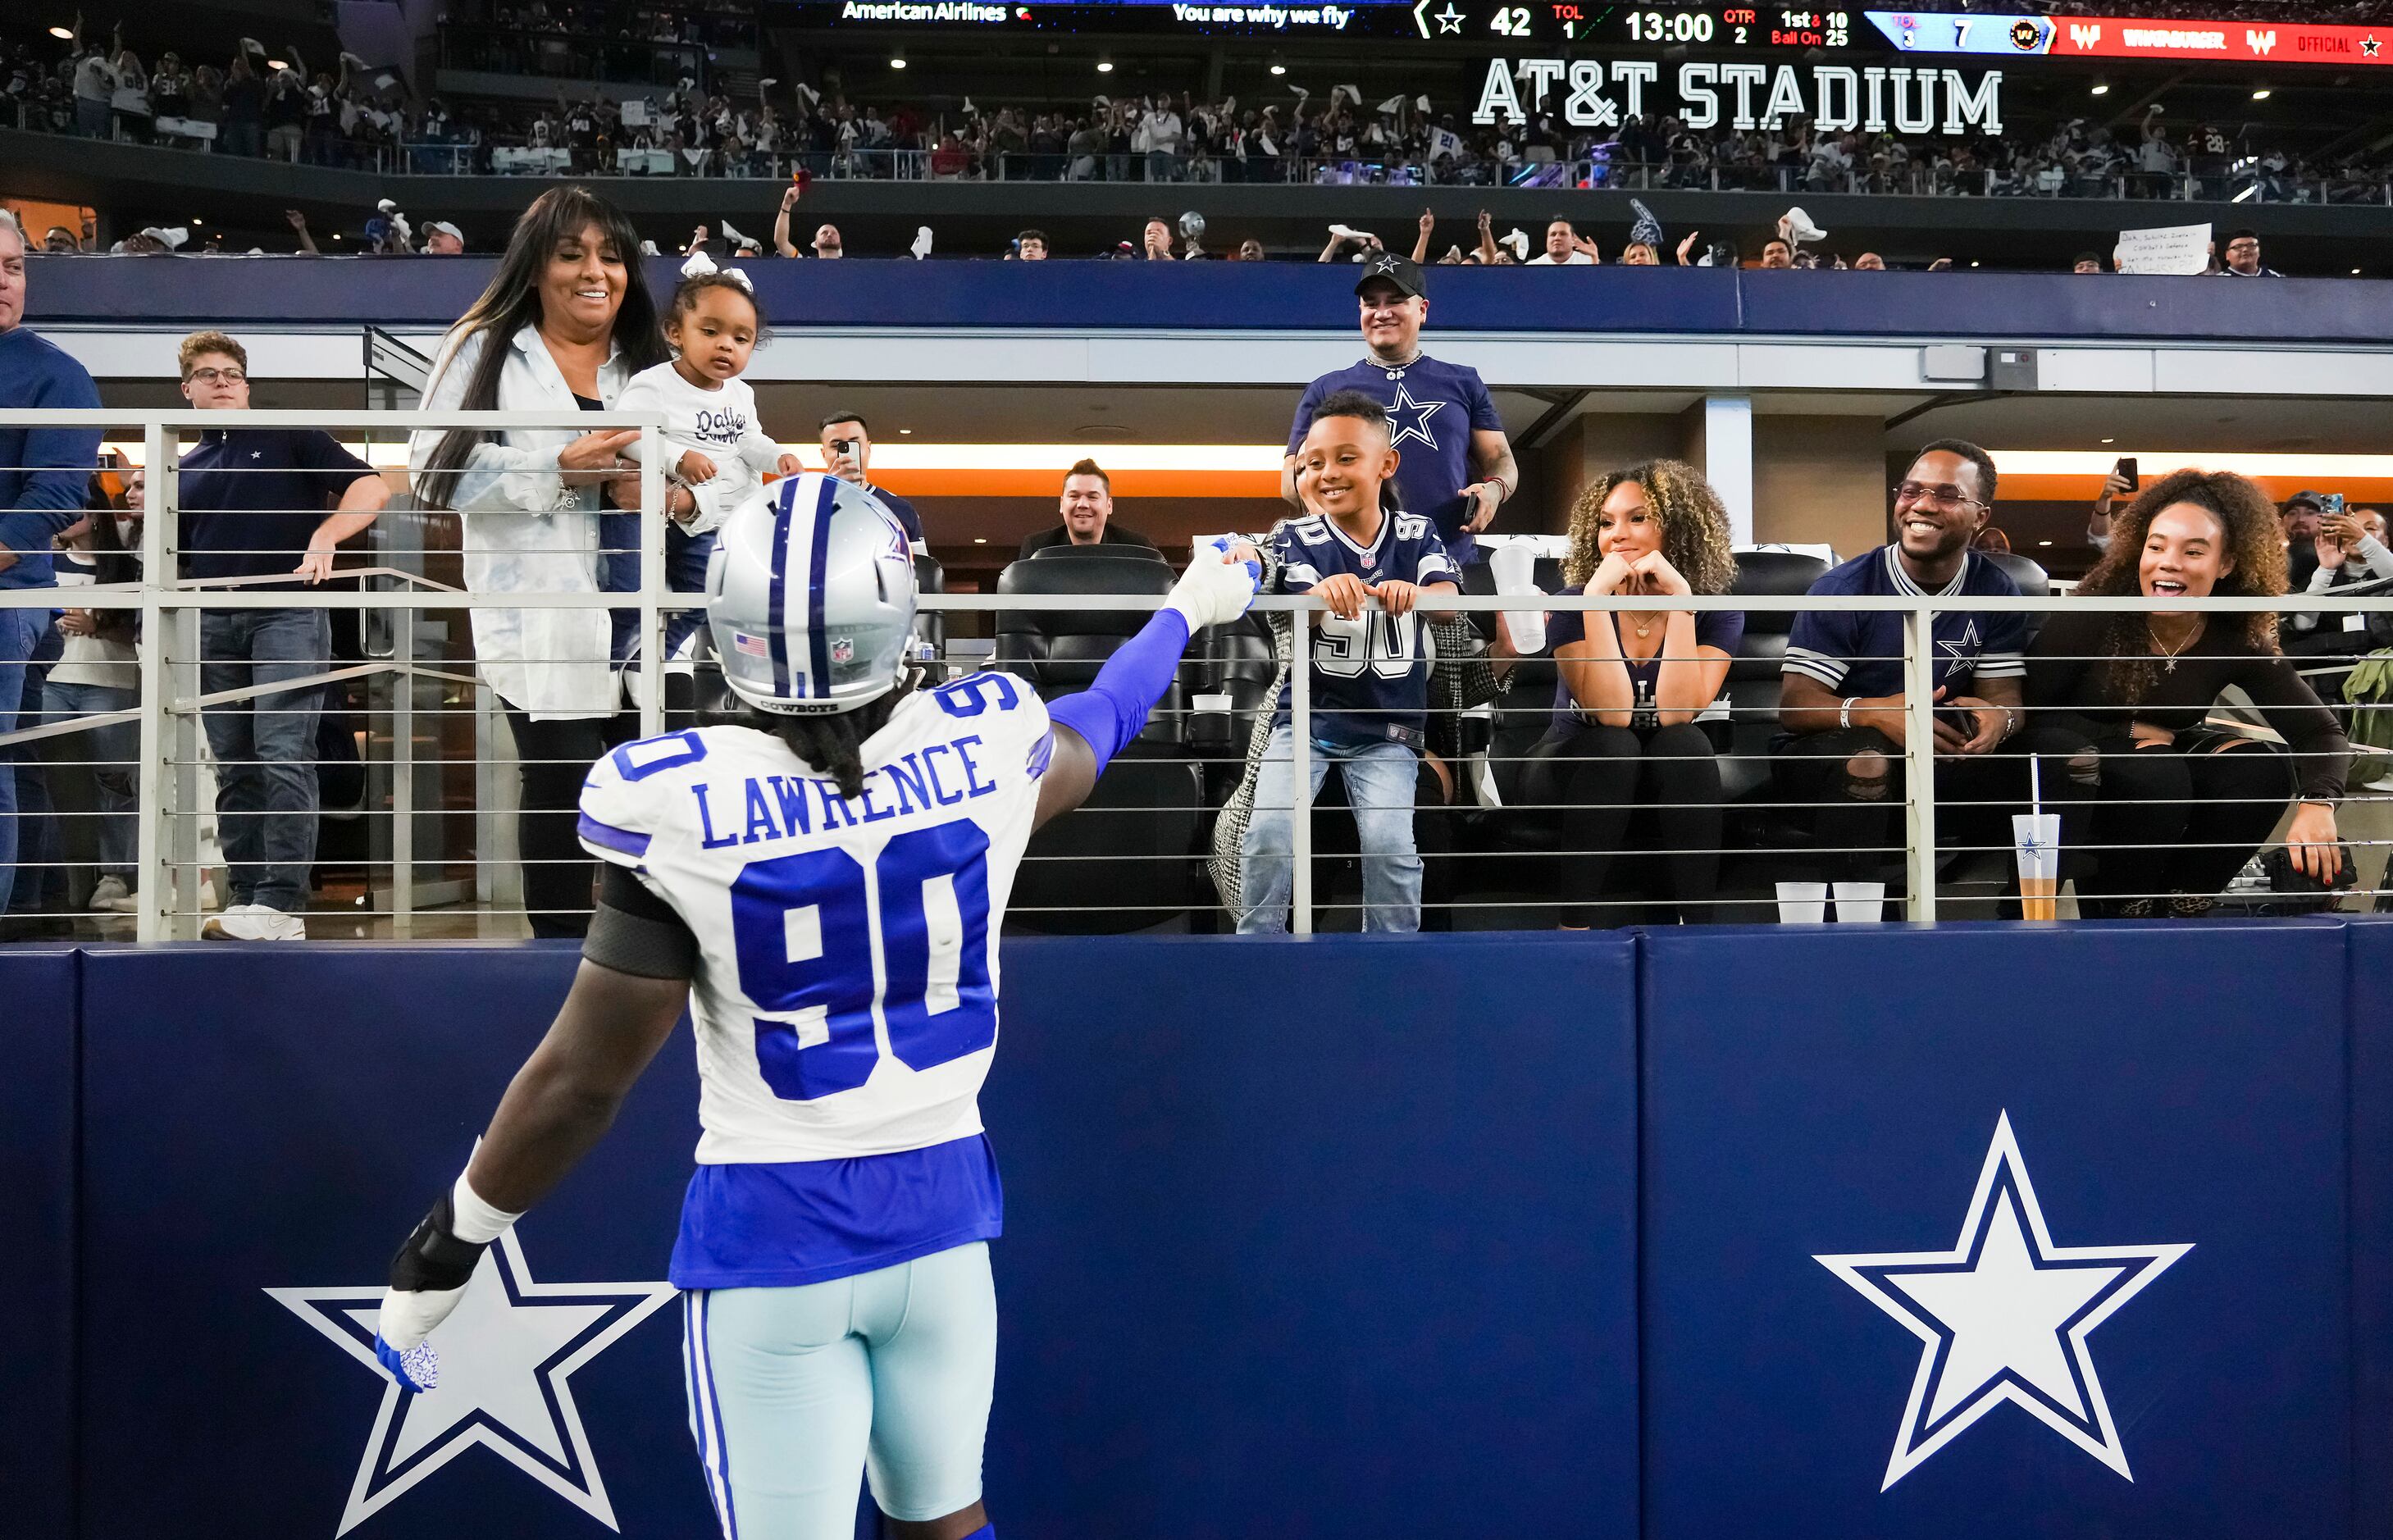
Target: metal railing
{"points": [[399, 595]]}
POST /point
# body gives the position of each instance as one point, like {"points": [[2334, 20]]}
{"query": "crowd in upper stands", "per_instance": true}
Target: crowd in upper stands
{"points": [[349, 116]]}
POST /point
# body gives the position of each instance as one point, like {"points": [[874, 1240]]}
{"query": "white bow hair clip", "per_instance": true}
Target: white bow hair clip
{"points": [[702, 266]]}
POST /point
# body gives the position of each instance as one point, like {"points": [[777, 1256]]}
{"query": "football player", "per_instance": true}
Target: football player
{"points": [[822, 884]]}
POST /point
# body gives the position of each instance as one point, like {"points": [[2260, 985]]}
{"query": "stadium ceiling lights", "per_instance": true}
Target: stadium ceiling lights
{"points": [[896, 61], [1278, 67], [2261, 95], [2101, 89], [1104, 65], [64, 34]]}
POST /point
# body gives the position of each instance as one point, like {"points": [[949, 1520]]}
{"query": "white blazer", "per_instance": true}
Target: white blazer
{"points": [[525, 531]]}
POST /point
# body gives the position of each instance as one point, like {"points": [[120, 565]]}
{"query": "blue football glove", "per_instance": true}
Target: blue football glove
{"points": [[427, 1279]]}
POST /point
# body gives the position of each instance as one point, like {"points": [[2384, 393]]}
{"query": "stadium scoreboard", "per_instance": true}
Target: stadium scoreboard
{"points": [[1760, 29]]}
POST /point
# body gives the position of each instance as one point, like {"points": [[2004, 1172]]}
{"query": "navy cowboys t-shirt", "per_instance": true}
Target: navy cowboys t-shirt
{"points": [[1370, 675], [1432, 407], [1860, 652]]}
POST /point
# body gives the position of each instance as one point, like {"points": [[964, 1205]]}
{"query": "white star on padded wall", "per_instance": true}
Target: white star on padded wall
{"points": [[505, 1355], [2003, 1316]]}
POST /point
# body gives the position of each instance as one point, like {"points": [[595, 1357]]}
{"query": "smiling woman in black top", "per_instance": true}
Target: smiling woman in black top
{"points": [[2184, 804]]}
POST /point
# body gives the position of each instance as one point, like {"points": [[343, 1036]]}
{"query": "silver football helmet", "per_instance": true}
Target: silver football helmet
{"points": [[810, 598]]}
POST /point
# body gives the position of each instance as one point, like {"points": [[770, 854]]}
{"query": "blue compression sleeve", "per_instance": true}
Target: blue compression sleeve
{"points": [[1113, 710]]}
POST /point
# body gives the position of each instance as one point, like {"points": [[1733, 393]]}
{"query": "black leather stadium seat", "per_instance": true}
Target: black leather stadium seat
{"points": [[1127, 860], [930, 626], [2033, 581], [1753, 680], [1143, 553]]}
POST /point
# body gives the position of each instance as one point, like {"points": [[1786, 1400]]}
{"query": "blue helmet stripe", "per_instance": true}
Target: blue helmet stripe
{"points": [[817, 644], [777, 615]]}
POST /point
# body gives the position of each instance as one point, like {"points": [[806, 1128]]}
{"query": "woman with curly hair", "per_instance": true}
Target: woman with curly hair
{"points": [[1637, 713], [2183, 806]]}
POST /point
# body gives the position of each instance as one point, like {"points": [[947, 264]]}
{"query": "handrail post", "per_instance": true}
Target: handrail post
{"points": [[1919, 761], [154, 893], [1300, 725], [652, 581], [402, 778]]}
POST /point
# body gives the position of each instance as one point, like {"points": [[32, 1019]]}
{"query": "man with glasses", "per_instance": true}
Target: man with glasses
{"points": [[2242, 257], [1843, 710], [253, 505]]}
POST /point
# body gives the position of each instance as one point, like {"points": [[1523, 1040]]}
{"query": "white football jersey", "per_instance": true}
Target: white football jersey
{"points": [[846, 993]]}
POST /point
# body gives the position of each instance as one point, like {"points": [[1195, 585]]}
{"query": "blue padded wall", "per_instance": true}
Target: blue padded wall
{"points": [[37, 1103], [261, 1119], [1314, 1238], [1411, 1236], [1837, 1093]]}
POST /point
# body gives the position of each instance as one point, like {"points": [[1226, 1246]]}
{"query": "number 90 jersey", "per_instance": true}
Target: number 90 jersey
{"points": [[846, 992]]}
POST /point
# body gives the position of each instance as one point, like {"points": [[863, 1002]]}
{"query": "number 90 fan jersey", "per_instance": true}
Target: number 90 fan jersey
{"points": [[846, 993]]}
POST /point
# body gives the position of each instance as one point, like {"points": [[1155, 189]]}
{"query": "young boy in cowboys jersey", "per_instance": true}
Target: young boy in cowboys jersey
{"points": [[822, 884], [1369, 668]]}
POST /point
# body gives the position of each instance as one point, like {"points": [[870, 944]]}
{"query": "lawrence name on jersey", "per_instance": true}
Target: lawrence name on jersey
{"points": [[822, 883]]}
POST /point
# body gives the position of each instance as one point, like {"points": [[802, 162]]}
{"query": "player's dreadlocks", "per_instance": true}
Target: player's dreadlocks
{"points": [[834, 745]]}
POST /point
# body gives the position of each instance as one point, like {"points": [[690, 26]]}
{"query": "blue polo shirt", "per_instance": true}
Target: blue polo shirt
{"points": [[252, 497], [44, 473]]}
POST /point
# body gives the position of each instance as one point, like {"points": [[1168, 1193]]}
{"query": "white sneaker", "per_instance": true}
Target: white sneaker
{"points": [[111, 896], [255, 922]]}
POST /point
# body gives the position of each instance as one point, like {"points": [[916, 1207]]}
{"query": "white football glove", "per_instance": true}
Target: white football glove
{"points": [[1215, 590], [427, 1278]]}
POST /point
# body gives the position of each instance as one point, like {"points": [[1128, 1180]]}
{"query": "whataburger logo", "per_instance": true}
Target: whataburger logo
{"points": [[2260, 41], [2003, 1316]]}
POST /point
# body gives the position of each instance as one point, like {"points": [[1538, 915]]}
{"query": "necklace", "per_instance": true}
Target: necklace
{"points": [[1645, 628], [2172, 654], [1397, 369]]}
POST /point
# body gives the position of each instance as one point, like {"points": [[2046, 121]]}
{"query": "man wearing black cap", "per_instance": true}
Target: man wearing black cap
{"points": [[2241, 256], [1455, 464]]}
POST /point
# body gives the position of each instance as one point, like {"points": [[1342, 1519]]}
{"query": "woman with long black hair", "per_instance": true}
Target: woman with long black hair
{"points": [[567, 320]]}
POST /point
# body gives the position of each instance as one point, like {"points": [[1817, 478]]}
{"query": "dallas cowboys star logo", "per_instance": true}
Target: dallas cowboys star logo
{"points": [[1448, 19], [1410, 418], [2005, 1316], [505, 1355], [2368, 45]]}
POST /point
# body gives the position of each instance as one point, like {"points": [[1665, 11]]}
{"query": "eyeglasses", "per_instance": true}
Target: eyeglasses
{"points": [[211, 376], [1945, 496]]}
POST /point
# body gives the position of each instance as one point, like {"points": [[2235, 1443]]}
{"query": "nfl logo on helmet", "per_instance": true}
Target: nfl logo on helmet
{"points": [[842, 651]]}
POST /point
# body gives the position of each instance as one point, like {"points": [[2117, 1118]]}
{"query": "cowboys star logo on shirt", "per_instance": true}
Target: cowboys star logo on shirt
{"points": [[1409, 419]]}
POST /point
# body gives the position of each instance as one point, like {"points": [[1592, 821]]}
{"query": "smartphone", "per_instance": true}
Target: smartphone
{"points": [[2331, 502], [844, 447], [2126, 468]]}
